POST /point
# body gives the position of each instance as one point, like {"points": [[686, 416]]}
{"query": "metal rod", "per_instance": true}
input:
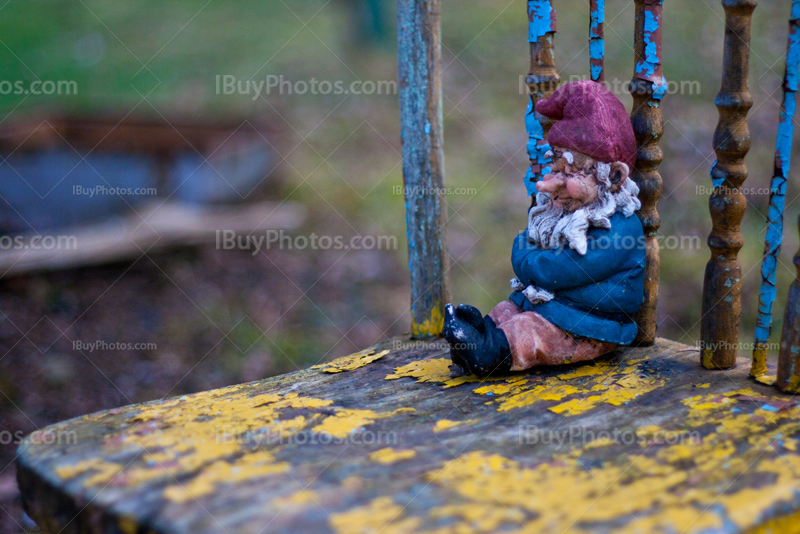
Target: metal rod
{"points": [[722, 286], [597, 49], [648, 88], [421, 131], [542, 82], [777, 196]]}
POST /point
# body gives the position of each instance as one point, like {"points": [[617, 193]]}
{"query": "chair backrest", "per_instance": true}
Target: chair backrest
{"points": [[419, 30]]}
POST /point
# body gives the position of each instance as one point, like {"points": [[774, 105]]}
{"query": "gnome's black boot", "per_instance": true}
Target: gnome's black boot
{"points": [[476, 344], [472, 315]]}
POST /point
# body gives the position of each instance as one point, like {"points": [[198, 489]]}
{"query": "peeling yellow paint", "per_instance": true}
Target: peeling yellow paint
{"points": [[793, 385], [600, 442], [767, 380], [759, 366], [347, 421], [744, 391], [380, 515], [703, 402], [104, 471], [300, 498], [73, 470], [487, 517], [707, 359], [609, 383], [787, 524], [447, 424], [434, 370], [213, 435], [352, 362], [248, 467], [430, 327], [584, 370], [389, 455], [599, 383], [677, 484], [615, 492]]}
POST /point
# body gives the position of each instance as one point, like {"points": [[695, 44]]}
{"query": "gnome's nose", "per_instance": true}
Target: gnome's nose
{"points": [[549, 183]]}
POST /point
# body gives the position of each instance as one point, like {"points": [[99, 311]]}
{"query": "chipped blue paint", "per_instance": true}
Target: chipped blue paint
{"points": [[716, 182], [645, 70], [537, 148], [541, 19], [649, 68], [660, 88], [596, 40], [596, 49], [651, 22], [599, 15], [777, 197]]}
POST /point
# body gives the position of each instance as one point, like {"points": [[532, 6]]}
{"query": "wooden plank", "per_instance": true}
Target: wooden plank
{"points": [[648, 88], [419, 48], [154, 228], [722, 285], [642, 441], [154, 135]]}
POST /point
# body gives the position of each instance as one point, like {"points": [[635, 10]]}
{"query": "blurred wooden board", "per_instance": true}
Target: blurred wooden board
{"points": [[643, 440], [158, 226]]}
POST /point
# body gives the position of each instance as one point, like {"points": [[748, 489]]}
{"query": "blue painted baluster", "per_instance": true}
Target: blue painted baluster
{"points": [[597, 49], [777, 197], [542, 81]]}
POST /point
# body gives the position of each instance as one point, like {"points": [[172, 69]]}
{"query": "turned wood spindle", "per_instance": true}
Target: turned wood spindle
{"points": [[542, 81], [722, 287], [648, 88], [789, 358]]}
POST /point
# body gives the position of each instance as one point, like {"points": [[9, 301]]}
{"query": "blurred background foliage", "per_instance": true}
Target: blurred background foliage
{"points": [[220, 317]]}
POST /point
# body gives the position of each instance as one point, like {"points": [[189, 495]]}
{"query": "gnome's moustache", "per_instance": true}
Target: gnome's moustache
{"points": [[552, 227]]}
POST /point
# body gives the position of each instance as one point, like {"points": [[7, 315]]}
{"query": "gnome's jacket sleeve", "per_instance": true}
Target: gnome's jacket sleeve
{"points": [[595, 293], [559, 269]]}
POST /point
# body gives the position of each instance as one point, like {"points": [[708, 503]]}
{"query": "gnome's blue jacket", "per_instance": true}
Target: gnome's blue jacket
{"points": [[595, 294]]}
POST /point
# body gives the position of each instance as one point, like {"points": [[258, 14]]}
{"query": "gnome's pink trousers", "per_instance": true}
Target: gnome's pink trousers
{"points": [[536, 341]]}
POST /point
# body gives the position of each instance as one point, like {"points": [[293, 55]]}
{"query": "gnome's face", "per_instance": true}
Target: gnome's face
{"points": [[573, 182]]}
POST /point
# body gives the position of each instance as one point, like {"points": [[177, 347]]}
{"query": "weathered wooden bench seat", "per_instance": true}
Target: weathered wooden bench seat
{"points": [[643, 440]]}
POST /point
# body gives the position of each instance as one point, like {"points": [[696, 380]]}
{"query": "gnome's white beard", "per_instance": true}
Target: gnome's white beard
{"points": [[551, 227]]}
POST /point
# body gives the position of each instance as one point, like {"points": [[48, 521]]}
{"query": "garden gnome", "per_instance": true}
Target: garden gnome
{"points": [[580, 263]]}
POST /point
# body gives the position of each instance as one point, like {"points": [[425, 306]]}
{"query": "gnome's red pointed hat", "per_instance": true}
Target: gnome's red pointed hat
{"points": [[591, 120]]}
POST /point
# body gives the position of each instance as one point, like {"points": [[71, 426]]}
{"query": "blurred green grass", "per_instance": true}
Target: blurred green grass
{"points": [[343, 151]]}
